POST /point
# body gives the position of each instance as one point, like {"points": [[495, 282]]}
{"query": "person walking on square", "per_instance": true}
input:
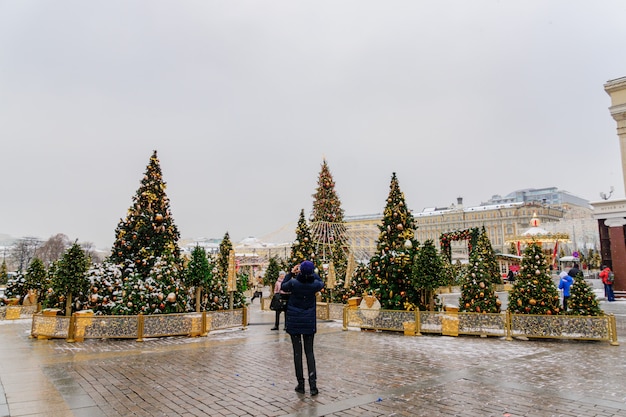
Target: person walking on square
{"points": [[283, 294], [258, 290], [564, 284], [301, 319], [607, 279]]}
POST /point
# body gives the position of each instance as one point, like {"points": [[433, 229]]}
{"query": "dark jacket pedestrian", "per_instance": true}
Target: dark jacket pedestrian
{"points": [[573, 271], [284, 295], [301, 319]]}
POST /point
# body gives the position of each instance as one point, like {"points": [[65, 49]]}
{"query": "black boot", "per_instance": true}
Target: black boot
{"points": [[300, 387], [313, 385]]}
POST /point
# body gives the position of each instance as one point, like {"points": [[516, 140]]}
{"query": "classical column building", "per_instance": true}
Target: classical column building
{"points": [[611, 214]]}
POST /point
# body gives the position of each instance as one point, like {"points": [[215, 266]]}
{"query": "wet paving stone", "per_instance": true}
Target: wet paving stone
{"points": [[250, 373]]}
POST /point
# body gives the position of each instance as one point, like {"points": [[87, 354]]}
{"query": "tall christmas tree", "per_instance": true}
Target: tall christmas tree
{"points": [[583, 301], [328, 231], [428, 275], [392, 263], [148, 233], [302, 248], [534, 291], [477, 292], [484, 250]]}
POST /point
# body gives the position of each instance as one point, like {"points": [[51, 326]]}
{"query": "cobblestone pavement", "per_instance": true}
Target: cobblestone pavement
{"points": [[250, 373]]}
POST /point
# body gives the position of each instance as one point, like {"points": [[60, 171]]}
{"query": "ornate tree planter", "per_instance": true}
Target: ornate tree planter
{"points": [[506, 325], [82, 325]]}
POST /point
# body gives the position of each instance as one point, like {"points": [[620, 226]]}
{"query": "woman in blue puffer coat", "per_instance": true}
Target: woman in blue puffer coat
{"points": [[301, 319]]}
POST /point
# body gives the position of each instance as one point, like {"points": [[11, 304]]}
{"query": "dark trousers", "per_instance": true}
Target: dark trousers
{"points": [[565, 298], [296, 342], [608, 292], [277, 320]]}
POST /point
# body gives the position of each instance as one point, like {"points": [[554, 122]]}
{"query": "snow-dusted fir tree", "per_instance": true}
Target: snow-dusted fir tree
{"points": [[534, 291], [37, 278], [392, 262], [16, 287], [70, 281], [328, 231], [302, 248], [148, 233], [105, 293]]}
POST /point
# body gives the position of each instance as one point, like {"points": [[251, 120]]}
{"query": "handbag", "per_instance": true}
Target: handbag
{"points": [[278, 303]]}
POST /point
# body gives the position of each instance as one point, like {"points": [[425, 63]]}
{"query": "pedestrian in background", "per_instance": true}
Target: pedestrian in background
{"points": [[258, 290], [564, 284], [301, 319], [573, 271], [284, 295], [607, 279]]}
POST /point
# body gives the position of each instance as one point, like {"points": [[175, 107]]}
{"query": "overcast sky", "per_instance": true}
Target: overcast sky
{"points": [[243, 100]]}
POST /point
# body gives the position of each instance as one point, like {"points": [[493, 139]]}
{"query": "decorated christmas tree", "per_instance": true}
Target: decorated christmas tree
{"points": [[534, 291], [105, 293], [477, 292], [484, 250], [360, 284], [302, 248], [392, 263], [148, 233], [428, 275], [328, 231], [197, 276], [582, 301], [326, 203]]}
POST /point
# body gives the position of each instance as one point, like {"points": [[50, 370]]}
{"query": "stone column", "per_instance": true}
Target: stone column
{"points": [[616, 89]]}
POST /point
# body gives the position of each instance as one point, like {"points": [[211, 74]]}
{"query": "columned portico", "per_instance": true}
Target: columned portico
{"points": [[611, 215]]}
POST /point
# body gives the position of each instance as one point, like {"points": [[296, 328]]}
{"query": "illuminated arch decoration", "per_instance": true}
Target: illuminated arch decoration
{"points": [[446, 239]]}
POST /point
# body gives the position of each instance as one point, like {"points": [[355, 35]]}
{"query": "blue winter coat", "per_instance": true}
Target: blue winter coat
{"points": [[300, 317], [565, 283]]}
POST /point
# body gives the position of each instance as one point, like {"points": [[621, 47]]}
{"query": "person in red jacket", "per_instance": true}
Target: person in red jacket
{"points": [[607, 279]]}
